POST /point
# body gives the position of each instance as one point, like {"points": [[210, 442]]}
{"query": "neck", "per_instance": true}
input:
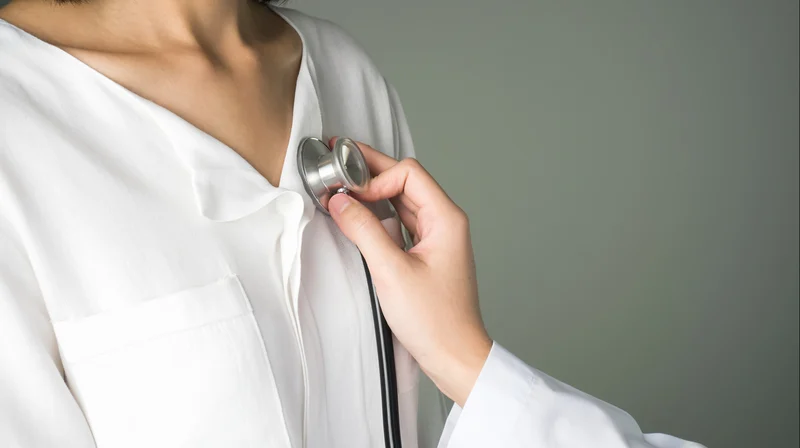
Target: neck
{"points": [[208, 24]]}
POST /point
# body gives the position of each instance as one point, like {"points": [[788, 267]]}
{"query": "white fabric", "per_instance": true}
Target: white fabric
{"points": [[513, 405], [156, 291]]}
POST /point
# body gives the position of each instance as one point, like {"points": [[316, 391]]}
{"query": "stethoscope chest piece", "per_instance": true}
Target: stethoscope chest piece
{"points": [[327, 171], [342, 169]]}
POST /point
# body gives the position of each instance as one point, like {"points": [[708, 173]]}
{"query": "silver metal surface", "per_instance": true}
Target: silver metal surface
{"points": [[326, 172], [343, 169]]}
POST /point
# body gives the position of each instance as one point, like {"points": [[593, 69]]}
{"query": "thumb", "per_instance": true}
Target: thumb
{"points": [[362, 227]]}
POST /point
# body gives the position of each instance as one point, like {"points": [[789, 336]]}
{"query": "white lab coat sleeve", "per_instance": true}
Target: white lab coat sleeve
{"points": [[36, 406], [514, 405]]}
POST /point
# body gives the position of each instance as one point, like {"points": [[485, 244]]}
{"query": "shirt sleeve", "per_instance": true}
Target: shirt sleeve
{"points": [[36, 406], [514, 405]]}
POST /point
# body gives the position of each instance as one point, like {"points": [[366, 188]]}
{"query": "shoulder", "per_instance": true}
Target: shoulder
{"points": [[15, 92], [328, 44], [28, 89], [355, 98], [10, 40], [16, 66]]}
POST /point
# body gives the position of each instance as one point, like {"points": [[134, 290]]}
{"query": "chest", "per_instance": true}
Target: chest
{"points": [[235, 326], [247, 106]]}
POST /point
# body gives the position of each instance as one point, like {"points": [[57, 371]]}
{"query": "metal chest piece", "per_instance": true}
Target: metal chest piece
{"points": [[327, 171]]}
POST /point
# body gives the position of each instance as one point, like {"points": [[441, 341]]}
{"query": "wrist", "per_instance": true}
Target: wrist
{"points": [[457, 370]]}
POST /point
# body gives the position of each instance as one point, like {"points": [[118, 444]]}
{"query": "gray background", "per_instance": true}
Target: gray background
{"points": [[631, 173]]}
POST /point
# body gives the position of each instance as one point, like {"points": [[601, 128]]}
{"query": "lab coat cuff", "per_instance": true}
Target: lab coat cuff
{"points": [[495, 406]]}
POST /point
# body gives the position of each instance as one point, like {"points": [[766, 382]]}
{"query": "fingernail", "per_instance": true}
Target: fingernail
{"points": [[343, 203]]}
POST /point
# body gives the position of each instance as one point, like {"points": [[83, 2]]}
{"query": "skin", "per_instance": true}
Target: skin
{"points": [[245, 60], [429, 294], [229, 67]]}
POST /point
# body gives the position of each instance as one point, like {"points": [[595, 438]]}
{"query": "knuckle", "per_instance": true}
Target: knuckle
{"points": [[364, 145], [460, 217], [412, 163]]}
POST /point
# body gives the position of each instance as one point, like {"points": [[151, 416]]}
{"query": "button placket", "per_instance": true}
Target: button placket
{"points": [[293, 209]]}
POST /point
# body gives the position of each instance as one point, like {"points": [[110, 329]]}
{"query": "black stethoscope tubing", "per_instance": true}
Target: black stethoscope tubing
{"points": [[388, 373]]}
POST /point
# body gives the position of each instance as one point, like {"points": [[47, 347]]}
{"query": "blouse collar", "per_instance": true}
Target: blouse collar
{"points": [[226, 186]]}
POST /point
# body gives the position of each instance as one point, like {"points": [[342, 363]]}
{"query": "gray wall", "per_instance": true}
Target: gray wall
{"points": [[631, 173]]}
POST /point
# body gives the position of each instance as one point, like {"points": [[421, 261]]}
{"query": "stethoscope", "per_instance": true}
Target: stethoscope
{"points": [[342, 169]]}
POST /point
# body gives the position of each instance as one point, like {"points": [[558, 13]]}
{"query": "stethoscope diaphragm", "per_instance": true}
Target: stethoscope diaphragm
{"points": [[328, 171]]}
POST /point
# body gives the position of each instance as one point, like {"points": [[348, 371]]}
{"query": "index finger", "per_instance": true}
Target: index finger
{"points": [[407, 178], [410, 182], [377, 161]]}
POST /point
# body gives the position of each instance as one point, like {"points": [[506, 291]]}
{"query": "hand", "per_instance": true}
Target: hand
{"points": [[429, 295]]}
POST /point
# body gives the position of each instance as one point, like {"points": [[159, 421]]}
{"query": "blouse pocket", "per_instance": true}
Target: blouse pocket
{"points": [[186, 369]]}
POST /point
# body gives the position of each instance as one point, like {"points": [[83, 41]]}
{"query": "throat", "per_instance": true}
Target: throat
{"points": [[241, 95]]}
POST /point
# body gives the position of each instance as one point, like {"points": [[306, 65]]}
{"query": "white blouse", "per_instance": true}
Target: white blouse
{"points": [[185, 300], [157, 291]]}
